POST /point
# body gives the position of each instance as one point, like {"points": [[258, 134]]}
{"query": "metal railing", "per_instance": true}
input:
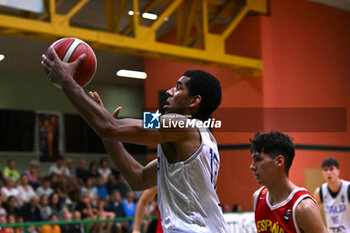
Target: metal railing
{"points": [[85, 222]]}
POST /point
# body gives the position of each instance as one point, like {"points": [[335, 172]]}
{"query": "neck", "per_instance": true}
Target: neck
{"points": [[334, 186], [280, 190]]}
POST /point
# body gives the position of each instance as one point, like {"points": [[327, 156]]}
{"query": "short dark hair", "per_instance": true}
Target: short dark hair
{"points": [[328, 162], [9, 161], [208, 87], [274, 144]]}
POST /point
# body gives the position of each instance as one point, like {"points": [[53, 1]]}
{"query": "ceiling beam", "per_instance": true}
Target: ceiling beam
{"points": [[143, 42]]}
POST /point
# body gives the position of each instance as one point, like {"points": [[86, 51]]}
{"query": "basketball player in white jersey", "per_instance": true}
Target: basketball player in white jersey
{"points": [[187, 164], [334, 196]]}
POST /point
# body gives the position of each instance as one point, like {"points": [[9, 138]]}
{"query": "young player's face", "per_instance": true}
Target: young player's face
{"points": [[263, 167], [330, 173], [178, 99]]}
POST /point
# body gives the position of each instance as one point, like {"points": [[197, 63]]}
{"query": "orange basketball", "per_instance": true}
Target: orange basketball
{"points": [[69, 49]]}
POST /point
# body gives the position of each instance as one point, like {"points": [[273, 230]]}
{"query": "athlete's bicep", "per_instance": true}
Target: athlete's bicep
{"points": [[308, 217]]}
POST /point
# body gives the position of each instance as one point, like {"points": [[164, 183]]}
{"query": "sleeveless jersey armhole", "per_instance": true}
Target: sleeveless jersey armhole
{"points": [[256, 196], [321, 195]]}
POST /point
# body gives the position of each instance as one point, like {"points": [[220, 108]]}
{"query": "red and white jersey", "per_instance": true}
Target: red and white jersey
{"points": [[280, 217]]}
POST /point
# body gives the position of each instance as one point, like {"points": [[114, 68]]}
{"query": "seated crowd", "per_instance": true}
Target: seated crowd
{"points": [[65, 193]]}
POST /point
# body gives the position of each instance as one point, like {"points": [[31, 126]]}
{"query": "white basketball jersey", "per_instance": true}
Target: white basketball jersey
{"points": [[337, 209], [187, 190]]}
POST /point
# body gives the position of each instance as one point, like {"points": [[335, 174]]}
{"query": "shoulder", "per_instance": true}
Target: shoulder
{"points": [[308, 217], [306, 205], [256, 195]]}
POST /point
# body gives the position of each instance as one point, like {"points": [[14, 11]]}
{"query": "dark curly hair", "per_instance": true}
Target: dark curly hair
{"points": [[208, 87], [328, 162], [274, 144]]}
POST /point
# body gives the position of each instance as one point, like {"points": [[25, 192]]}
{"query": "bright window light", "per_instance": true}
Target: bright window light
{"points": [[2, 57], [149, 16], [132, 74], [130, 13]]}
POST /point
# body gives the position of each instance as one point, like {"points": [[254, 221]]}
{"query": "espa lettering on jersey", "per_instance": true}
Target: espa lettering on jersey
{"points": [[266, 225]]}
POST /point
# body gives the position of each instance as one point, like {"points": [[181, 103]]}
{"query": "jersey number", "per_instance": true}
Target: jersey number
{"points": [[214, 167]]}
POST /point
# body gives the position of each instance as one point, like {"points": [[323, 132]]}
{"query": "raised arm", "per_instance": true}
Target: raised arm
{"points": [[104, 124], [308, 217]]}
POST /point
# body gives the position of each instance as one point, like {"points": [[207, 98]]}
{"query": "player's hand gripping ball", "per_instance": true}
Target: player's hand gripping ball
{"points": [[68, 50]]}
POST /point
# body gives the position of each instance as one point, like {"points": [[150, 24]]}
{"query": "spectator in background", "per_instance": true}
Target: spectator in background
{"points": [[26, 191], [78, 227], [56, 184], [62, 172], [88, 211], [102, 191], [123, 186], [129, 206], [12, 208], [105, 213], [72, 186], [3, 220], [236, 208], [112, 184], [30, 211], [11, 190], [226, 208], [45, 187], [33, 174], [2, 210], [59, 168], [90, 189], [57, 205], [104, 170], [11, 219], [67, 228], [93, 167], [45, 209], [10, 171], [116, 206], [81, 172], [69, 166], [51, 228], [116, 173]]}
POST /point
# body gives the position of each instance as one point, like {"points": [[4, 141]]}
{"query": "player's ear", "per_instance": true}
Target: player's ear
{"points": [[279, 160], [195, 101]]}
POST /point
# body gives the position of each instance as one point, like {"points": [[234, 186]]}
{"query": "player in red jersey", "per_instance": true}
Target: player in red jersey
{"points": [[280, 206]]}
